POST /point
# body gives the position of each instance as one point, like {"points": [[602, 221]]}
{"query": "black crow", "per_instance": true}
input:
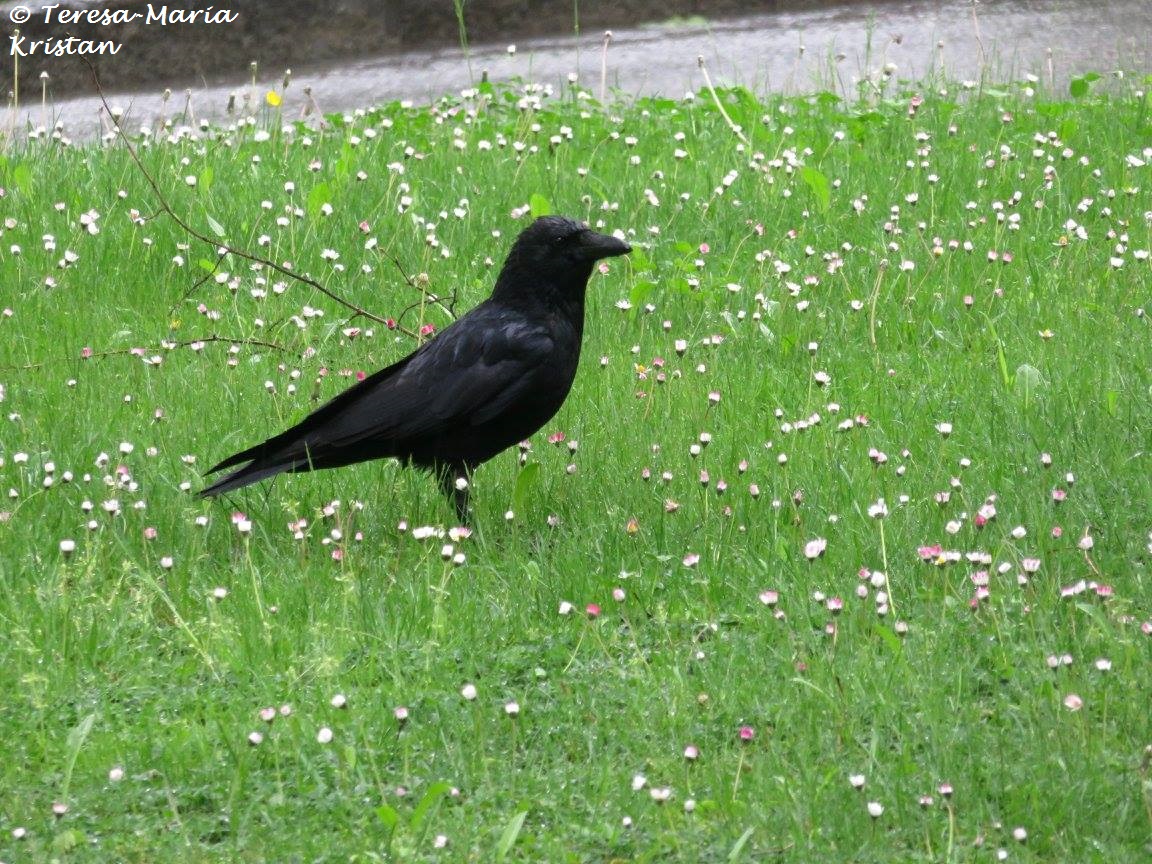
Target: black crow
{"points": [[487, 382]]}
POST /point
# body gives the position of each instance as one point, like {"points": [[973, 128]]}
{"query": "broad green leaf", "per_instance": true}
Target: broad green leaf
{"points": [[640, 292], [889, 637], [67, 840], [431, 798], [1052, 109], [1001, 357], [738, 847], [509, 834], [207, 175], [343, 167], [639, 260], [539, 205], [388, 815], [1097, 616], [216, 227], [818, 183], [318, 197], [1027, 381], [527, 478], [76, 738], [1112, 402], [787, 344], [1079, 87], [22, 177], [79, 734]]}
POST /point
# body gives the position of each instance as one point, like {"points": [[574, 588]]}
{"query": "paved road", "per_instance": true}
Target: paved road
{"points": [[1054, 39]]}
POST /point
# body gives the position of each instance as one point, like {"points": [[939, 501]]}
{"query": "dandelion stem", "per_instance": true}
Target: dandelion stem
{"points": [[462, 32], [575, 650], [181, 623], [872, 308], [979, 39], [15, 77], [739, 771], [716, 98], [884, 563], [439, 619], [257, 593], [951, 832], [604, 66]]}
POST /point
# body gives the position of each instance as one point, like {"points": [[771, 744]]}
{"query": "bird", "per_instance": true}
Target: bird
{"points": [[486, 382]]}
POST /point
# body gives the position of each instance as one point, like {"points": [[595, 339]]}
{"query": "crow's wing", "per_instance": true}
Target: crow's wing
{"points": [[478, 368], [466, 376]]}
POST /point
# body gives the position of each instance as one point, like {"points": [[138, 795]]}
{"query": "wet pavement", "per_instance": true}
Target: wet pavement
{"points": [[829, 48]]}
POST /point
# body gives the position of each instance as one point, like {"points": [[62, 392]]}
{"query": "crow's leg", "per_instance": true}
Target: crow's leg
{"points": [[460, 499], [455, 482]]}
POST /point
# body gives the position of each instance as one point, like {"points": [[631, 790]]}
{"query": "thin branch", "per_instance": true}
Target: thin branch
{"points": [[448, 308], [117, 352], [404, 273], [196, 285], [166, 208]]}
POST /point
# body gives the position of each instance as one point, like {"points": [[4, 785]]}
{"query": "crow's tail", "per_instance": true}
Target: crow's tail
{"points": [[253, 472]]}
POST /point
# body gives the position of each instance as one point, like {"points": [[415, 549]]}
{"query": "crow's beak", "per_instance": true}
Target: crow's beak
{"points": [[595, 246]]}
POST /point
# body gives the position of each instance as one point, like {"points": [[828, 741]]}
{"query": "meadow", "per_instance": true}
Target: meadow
{"points": [[838, 550]]}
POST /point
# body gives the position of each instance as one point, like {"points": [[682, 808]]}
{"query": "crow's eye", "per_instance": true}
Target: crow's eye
{"points": [[562, 240]]}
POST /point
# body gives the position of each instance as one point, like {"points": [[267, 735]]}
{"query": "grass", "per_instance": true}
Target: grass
{"points": [[818, 302]]}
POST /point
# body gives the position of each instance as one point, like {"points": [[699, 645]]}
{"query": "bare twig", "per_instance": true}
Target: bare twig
{"points": [[196, 285], [117, 352], [241, 253], [404, 273], [448, 308]]}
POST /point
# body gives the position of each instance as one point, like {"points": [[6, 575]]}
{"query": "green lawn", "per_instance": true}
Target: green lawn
{"points": [[905, 332]]}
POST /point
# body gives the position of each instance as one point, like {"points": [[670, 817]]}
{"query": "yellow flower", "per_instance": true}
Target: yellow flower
{"points": [[272, 98]]}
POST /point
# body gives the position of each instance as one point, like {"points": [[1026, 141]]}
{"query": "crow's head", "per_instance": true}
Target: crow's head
{"points": [[558, 253], [564, 239]]}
